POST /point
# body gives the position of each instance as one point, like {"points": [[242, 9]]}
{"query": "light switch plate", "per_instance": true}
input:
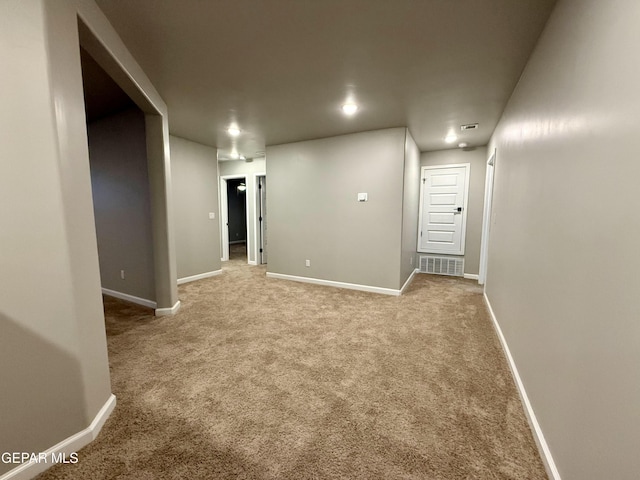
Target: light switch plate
{"points": [[362, 197], [212, 215]]}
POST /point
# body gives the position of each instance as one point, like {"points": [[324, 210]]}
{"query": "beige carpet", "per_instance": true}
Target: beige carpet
{"points": [[269, 379]]}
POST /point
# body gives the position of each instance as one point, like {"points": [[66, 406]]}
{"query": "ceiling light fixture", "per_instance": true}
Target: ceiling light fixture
{"points": [[450, 138], [241, 188], [233, 131], [234, 155], [349, 108], [463, 145]]}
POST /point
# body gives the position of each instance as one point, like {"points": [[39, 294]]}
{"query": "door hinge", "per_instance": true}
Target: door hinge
{"points": [[423, 180], [259, 185], [260, 250], [260, 218]]}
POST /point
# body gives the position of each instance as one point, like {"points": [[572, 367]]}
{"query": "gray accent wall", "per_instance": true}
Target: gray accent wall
{"points": [[194, 173], [314, 213], [121, 202], [477, 157], [410, 206], [563, 266]]}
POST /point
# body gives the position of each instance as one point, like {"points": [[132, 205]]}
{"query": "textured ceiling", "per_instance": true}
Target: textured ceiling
{"points": [[282, 68]]}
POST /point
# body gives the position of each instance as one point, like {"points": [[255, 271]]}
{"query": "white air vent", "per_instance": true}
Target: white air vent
{"points": [[469, 126], [442, 265]]}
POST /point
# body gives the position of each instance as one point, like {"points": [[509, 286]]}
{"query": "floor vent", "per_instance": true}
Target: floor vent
{"points": [[442, 265]]}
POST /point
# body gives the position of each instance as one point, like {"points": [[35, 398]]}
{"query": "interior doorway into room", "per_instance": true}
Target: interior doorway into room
{"points": [[486, 219], [129, 179], [120, 187], [234, 217]]}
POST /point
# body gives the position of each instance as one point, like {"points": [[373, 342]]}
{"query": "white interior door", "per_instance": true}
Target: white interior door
{"points": [[443, 209], [262, 217]]}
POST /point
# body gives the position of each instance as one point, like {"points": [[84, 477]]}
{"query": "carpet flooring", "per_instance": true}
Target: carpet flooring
{"points": [[259, 378]]}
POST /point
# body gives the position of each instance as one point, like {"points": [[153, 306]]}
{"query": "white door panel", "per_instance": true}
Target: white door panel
{"points": [[441, 236], [444, 180], [441, 218], [441, 198], [443, 206]]}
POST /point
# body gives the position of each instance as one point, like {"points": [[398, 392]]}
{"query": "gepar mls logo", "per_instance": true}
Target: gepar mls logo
{"points": [[41, 457]]}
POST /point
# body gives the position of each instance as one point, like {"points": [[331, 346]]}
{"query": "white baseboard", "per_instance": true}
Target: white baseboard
{"points": [[130, 298], [472, 276], [331, 283], [200, 276], [164, 312], [409, 280], [252, 262], [68, 446], [538, 436]]}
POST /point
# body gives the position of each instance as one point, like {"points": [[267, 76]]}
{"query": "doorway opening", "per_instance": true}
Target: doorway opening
{"points": [[237, 218], [120, 187], [143, 268], [486, 219], [233, 217], [243, 217]]}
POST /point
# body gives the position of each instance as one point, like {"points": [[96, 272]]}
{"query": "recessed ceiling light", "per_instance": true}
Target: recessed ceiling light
{"points": [[233, 131], [450, 138], [234, 155], [242, 157], [463, 145], [349, 108]]}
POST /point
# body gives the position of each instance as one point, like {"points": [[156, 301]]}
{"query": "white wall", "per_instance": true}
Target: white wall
{"points": [[122, 203], [477, 158], [194, 172], [314, 213], [563, 263]]}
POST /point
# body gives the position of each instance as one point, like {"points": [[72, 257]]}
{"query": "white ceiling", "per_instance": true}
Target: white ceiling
{"points": [[282, 68]]}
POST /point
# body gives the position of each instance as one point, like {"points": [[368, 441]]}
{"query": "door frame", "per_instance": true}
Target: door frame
{"points": [[224, 215], [486, 218], [463, 226]]}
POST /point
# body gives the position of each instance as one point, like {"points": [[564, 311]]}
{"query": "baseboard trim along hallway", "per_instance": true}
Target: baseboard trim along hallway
{"points": [[199, 276], [331, 283], [129, 298], [65, 448], [538, 436]]}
